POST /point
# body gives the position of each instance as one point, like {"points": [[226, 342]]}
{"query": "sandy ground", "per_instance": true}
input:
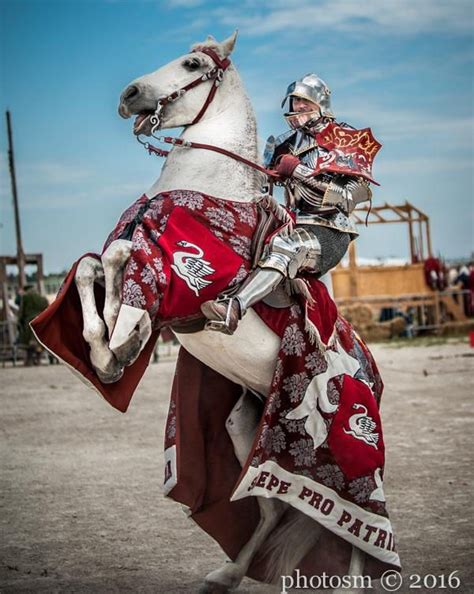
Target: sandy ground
{"points": [[81, 503]]}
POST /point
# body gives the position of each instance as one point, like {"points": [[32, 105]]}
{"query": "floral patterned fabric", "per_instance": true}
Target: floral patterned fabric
{"points": [[319, 445], [187, 248]]}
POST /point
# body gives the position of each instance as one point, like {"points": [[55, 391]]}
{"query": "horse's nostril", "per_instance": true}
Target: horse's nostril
{"points": [[131, 91]]}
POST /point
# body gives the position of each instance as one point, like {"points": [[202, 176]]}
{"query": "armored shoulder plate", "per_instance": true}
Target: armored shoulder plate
{"points": [[273, 144], [348, 151]]}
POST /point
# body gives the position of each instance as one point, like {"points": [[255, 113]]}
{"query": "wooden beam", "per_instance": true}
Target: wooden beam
{"points": [[16, 209], [411, 240], [401, 214], [421, 246], [428, 238], [405, 213]]}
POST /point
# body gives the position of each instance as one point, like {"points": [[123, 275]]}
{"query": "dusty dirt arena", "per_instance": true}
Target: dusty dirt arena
{"points": [[81, 502]]}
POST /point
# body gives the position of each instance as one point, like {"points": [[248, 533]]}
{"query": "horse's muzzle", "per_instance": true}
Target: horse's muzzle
{"points": [[123, 111]]}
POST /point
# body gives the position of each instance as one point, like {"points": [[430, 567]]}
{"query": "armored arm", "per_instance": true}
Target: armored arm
{"points": [[309, 248], [329, 191]]}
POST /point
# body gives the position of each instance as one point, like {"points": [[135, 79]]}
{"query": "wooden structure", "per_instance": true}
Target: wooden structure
{"points": [[400, 287], [8, 323]]}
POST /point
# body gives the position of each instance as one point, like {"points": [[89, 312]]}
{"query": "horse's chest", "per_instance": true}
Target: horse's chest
{"points": [[248, 357]]}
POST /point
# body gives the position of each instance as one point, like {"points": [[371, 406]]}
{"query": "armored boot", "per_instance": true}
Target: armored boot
{"points": [[224, 313], [287, 255]]}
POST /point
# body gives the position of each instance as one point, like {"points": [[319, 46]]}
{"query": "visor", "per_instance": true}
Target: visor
{"points": [[297, 120]]}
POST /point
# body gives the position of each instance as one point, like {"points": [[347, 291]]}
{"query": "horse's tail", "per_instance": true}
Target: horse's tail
{"points": [[289, 543]]}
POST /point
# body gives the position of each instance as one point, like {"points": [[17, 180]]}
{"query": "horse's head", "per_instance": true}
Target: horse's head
{"points": [[142, 96]]}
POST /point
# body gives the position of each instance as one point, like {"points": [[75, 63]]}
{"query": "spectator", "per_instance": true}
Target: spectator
{"points": [[464, 280], [453, 276], [471, 289], [31, 304]]}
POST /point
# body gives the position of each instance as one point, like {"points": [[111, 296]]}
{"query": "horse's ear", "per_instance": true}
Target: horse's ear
{"points": [[228, 44], [211, 39]]}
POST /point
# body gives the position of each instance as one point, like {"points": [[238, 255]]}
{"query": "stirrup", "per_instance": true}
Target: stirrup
{"points": [[222, 325]]}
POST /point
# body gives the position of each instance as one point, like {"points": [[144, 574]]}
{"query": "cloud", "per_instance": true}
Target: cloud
{"points": [[370, 17], [183, 3], [98, 196], [51, 173], [420, 166], [48, 185], [185, 31], [412, 125]]}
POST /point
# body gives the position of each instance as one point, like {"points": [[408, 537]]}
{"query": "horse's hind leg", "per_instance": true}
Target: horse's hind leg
{"points": [[89, 270], [356, 570], [241, 426]]}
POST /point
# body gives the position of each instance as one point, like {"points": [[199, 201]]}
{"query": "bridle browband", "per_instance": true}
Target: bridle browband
{"points": [[216, 74]]}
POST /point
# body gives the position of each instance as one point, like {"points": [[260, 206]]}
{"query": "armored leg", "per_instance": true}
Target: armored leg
{"points": [[287, 255], [224, 313]]}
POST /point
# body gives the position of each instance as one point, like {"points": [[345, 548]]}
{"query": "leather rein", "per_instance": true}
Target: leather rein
{"points": [[216, 74]]}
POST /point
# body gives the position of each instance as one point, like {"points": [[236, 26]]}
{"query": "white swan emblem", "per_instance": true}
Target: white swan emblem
{"points": [[191, 267], [362, 426], [316, 395]]}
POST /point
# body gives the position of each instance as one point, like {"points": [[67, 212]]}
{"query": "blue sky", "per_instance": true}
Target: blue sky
{"points": [[404, 68]]}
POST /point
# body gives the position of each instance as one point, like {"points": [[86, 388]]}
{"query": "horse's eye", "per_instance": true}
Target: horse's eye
{"points": [[192, 64]]}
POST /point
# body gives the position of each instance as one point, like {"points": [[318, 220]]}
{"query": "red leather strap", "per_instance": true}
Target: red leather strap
{"points": [[216, 149], [222, 63], [210, 97]]}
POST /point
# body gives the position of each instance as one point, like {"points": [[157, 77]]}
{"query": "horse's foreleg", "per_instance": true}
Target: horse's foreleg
{"points": [[131, 332], [129, 327], [241, 426], [113, 261], [89, 271]]}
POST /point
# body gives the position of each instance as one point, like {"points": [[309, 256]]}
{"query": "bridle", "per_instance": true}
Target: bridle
{"points": [[216, 74]]}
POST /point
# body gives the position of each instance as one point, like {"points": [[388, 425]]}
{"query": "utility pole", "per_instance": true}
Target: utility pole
{"points": [[20, 254]]}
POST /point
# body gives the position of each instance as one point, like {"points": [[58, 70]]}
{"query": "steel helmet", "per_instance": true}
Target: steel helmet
{"points": [[311, 88]]}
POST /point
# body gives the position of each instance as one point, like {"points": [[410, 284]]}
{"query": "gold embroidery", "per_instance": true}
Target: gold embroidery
{"points": [[346, 139]]}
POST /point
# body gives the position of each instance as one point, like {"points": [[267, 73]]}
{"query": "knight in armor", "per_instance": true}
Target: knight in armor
{"points": [[325, 167]]}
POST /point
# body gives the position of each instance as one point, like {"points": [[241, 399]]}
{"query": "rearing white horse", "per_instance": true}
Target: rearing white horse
{"points": [[247, 357]]}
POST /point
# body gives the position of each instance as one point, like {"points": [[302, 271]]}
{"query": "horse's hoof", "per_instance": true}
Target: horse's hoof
{"points": [[110, 378], [223, 580], [127, 353], [108, 370], [214, 588]]}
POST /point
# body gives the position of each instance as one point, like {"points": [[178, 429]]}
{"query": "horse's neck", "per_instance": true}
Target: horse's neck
{"points": [[232, 128]]}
